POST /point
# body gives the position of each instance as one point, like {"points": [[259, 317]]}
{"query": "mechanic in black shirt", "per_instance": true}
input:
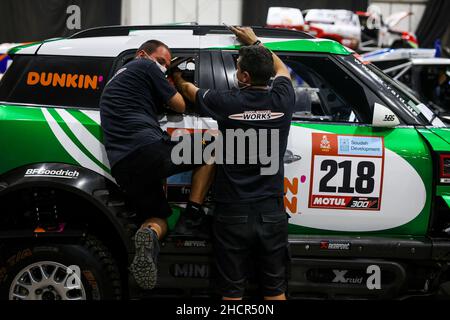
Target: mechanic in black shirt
{"points": [[249, 219], [139, 151]]}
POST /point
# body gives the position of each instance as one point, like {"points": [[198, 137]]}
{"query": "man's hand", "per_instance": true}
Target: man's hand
{"points": [[246, 35], [176, 76], [176, 103], [187, 89]]}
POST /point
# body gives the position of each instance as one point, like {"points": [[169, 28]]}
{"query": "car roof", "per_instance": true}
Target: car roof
{"points": [[111, 41]]}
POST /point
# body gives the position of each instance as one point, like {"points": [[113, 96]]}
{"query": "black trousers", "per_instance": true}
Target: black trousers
{"points": [[243, 230], [140, 174]]}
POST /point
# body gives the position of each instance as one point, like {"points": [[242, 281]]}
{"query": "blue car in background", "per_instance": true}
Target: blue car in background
{"points": [[5, 59]]}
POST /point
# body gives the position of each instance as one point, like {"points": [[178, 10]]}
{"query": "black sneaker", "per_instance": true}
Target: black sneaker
{"points": [[144, 266]]}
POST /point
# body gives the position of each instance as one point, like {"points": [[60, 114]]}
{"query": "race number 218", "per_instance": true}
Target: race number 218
{"points": [[345, 180]]}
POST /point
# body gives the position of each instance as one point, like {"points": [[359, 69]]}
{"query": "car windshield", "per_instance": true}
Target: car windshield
{"points": [[399, 92]]}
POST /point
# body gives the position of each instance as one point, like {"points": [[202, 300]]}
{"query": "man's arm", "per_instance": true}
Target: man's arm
{"points": [[177, 103], [248, 37], [165, 91], [187, 89]]}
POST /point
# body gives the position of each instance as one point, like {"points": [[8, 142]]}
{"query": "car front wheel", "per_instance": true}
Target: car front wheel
{"points": [[81, 271]]}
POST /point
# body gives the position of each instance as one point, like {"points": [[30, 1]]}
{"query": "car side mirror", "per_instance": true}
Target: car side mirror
{"points": [[383, 117]]}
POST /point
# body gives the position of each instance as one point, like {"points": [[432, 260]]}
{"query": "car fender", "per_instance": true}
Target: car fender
{"points": [[102, 193]]}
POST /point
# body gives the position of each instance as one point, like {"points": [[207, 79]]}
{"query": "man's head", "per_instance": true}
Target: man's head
{"points": [[254, 66], [156, 51]]}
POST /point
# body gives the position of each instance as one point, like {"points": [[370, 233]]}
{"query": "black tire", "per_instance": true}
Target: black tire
{"points": [[99, 272]]}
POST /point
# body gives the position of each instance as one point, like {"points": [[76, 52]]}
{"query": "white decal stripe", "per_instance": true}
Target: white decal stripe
{"points": [[89, 141], [72, 148], [93, 115]]}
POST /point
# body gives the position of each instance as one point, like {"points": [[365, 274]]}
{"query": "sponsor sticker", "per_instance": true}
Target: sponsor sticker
{"points": [[189, 270], [256, 115], [360, 146], [328, 245], [191, 244], [64, 80], [53, 173], [347, 172]]}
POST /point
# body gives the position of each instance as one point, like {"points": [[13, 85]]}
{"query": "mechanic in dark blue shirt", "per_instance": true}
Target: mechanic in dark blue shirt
{"points": [[250, 220], [139, 151]]}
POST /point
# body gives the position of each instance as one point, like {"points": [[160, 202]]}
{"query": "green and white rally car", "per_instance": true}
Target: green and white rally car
{"points": [[367, 173]]}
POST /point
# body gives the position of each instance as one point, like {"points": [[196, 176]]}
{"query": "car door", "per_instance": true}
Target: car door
{"points": [[342, 174]]}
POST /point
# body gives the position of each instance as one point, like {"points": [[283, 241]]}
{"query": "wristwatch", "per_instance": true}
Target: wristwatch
{"points": [[256, 43]]}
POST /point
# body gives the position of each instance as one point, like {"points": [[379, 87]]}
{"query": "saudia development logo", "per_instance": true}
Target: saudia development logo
{"points": [[64, 80], [256, 115]]}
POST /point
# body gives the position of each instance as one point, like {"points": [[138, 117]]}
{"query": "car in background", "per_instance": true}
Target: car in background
{"points": [[5, 60], [418, 69], [382, 33], [339, 25]]}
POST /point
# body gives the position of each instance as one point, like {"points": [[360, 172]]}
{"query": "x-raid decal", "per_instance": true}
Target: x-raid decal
{"points": [[78, 141]]}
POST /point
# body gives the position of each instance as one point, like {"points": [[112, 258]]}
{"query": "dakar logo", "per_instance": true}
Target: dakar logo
{"points": [[325, 144], [64, 80]]}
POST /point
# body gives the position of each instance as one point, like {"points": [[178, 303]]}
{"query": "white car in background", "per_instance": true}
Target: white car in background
{"points": [[380, 32], [339, 25]]}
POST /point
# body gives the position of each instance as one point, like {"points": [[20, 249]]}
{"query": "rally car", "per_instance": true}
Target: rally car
{"points": [[420, 70], [380, 32], [367, 173], [339, 25]]}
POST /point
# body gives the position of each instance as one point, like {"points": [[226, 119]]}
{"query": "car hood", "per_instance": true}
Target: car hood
{"points": [[438, 138], [443, 133]]}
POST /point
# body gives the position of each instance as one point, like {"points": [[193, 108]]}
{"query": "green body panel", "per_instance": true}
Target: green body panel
{"points": [[443, 133], [92, 126], [303, 45], [435, 138], [443, 191], [407, 143], [447, 200], [27, 137], [438, 139]]}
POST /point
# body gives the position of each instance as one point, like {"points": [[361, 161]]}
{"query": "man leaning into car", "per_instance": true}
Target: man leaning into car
{"points": [[139, 152], [249, 218]]}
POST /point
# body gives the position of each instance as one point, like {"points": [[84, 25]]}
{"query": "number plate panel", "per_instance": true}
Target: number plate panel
{"points": [[347, 172]]}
